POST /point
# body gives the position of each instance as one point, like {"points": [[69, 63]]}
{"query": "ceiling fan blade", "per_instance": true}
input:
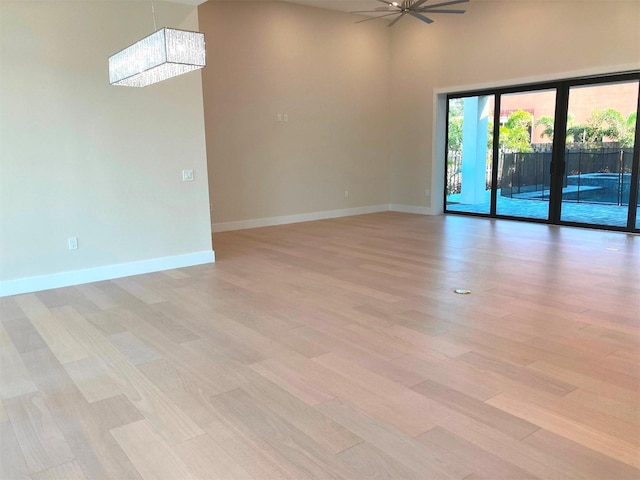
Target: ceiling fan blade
{"points": [[441, 11], [444, 4], [417, 4], [373, 11], [420, 17], [379, 16], [396, 20]]}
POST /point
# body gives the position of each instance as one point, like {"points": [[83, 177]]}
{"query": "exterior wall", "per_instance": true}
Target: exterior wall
{"points": [[582, 102]]}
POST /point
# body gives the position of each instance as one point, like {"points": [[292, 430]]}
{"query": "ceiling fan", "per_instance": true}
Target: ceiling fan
{"points": [[415, 8]]}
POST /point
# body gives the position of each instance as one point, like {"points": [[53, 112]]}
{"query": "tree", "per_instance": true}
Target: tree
{"points": [[602, 124], [548, 124], [454, 138], [627, 139], [515, 134], [608, 124]]}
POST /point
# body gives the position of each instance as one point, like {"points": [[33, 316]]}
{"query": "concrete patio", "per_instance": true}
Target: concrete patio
{"points": [[588, 213]]}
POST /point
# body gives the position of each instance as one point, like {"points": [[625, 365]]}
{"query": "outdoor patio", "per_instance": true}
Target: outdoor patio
{"points": [[582, 212]]}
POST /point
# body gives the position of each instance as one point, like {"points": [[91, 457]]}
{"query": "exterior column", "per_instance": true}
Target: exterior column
{"points": [[474, 150]]}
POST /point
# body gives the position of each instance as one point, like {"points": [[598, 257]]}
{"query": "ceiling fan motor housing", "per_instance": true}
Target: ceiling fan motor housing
{"points": [[414, 8]]}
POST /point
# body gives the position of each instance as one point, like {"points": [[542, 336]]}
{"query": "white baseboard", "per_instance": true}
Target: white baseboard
{"points": [[397, 207], [303, 217], [107, 272]]}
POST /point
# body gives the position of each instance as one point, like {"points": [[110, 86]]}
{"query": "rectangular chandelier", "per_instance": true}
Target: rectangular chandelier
{"points": [[164, 54]]}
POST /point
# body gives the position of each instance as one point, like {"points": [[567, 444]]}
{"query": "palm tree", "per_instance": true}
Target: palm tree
{"points": [[628, 137], [515, 134], [602, 124], [547, 123]]}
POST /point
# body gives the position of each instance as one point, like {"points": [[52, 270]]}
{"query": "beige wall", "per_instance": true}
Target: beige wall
{"points": [[361, 97], [81, 158], [497, 42], [332, 79]]}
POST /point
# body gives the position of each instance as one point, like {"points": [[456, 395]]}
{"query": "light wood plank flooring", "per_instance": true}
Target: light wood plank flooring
{"points": [[338, 349]]}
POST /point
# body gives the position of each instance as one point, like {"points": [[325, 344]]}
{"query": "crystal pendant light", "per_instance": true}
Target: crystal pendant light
{"points": [[164, 54]]}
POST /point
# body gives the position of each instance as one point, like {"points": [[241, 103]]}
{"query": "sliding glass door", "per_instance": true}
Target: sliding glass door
{"points": [[560, 152], [599, 153], [469, 158], [524, 155], [638, 206]]}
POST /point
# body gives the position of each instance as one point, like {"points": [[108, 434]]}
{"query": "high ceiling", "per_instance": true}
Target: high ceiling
{"points": [[351, 5], [341, 5]]}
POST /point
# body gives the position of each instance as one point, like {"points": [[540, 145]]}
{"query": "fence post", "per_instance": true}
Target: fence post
{"points": [[620, 176], [579, 175]]}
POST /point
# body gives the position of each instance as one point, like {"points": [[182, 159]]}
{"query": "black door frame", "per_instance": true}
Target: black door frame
{"points": [[558, 163]]}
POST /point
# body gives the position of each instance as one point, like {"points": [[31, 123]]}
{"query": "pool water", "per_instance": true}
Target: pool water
{"points": [[610, 188]]}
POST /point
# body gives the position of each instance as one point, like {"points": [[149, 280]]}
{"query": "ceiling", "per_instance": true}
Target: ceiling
{"points": [[351, 5], [341, 5]]}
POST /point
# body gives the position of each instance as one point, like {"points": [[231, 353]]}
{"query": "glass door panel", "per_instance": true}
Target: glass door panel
{"points": [[599, 154], [525, 148], [469, 154], [637, 226], [578, 168]]}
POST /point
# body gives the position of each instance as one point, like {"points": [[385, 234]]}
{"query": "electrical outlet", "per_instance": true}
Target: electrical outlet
{"points": [[73, 243], [346, 194], [285, 118]]}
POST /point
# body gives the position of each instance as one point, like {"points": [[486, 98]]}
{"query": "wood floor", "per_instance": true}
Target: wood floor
{"points": [[338, 349]]}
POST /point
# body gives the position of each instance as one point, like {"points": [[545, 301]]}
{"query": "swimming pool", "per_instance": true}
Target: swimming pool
{"points": [[610, 188]]}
